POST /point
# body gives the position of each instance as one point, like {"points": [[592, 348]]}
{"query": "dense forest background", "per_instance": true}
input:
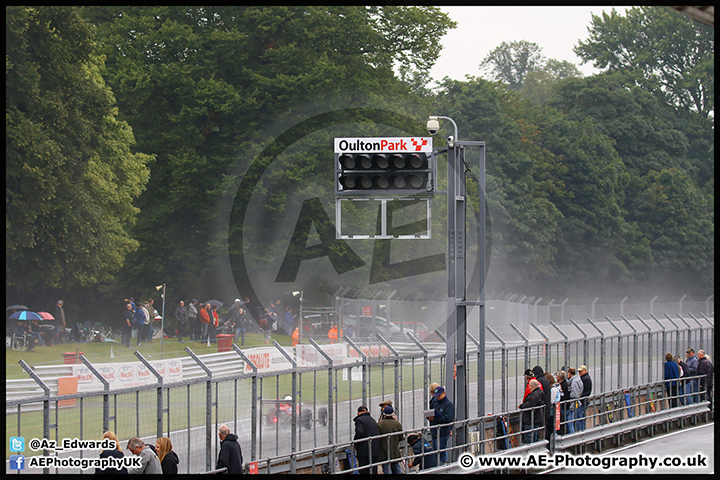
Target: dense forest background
{"points": [[131, 133]]}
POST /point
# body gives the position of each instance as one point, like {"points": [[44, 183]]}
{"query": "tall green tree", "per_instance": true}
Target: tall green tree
{"points": [[71, 177], [510, 62], [659, 50], [199, 84]]}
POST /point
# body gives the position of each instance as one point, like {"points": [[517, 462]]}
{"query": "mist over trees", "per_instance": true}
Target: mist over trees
{"points": [[126, 125]]}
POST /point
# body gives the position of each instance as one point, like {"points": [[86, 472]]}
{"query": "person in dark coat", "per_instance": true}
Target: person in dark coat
{"points": [[549, 419], [112, 452], [671, 376], [423, 448], [168, 459], [705, 368], [562, 379], [230, 452], [59, 315], [368, 451], [532, 417]]}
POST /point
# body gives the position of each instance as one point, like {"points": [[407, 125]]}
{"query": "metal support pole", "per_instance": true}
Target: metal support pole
{"points": [[677, 333], [159, 377], [106, 388], [396, 363], [253, 408], [364, 368], [480, 352], [330, 399], [425, 360], [664, 333], [687, 336]]}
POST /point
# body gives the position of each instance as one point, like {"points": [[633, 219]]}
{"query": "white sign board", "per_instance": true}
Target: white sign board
{"points": [[383, 144], [131, 374], [307, 355], [267, 359]]}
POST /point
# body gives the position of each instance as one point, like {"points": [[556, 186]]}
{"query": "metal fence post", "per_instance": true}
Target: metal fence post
{"points": [[503, 370], [425, 361], [546, 346], [253, 420], [677, 333], [650, 349], [364, 368], [566, 352], [619, 352], [664, 334], [687, 336], [159, 392], [46, 406], [293, 435], [635, 349], [479, 363], [602, 354], [330, 402], [208, 408], [585, 341], [527, 348], [106, 388], [397, 368]]}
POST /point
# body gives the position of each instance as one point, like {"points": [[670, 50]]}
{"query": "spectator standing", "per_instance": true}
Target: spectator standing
{"points": [[692, 363], [295, 336], [230, 455], [152, 313], [289, 320], [529, 375], [139, 319], [421, 448], [444, 414], [214, 323], [532, 416], [684, 386], [112, 452], [705, 368], [59, 315], [555, 396], [168, 459], [671, 375], [204, 315], [575, 385], [545, 385], [149, 463], [181, 317], [367, 452], [390, 446], [387, 403], [265, 323], [586, 391], [127, 324], [564, 387], [192, 313]]}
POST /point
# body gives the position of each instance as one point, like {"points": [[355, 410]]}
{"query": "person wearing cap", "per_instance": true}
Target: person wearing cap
{"points": [[386, 403], [444, 414], [192, 313], [692, 370], [422, 448], [433, 400], [575, 387], [390, 445], [533, 414], [367, 452], [586, 384]]}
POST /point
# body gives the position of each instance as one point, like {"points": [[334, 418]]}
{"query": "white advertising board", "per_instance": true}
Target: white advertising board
{"points": [[122, 375], [307, 355], [267, 359]]}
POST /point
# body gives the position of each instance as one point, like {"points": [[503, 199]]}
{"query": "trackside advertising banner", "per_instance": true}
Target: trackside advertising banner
{"points": [[307, 355], [122, 375]]}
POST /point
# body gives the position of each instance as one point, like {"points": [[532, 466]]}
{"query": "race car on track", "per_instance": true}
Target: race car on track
{"points": [[279, 411]]}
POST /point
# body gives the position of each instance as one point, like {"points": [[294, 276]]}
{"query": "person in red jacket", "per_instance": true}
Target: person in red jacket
{"points": [[204, 315]]}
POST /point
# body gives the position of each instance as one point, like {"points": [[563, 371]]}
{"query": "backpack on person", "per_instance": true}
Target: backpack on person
{"points": [[263, 322]]}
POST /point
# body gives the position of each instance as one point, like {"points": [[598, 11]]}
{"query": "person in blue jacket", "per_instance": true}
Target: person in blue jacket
{"points": [[421, 447], [672, 373], [444, 414]]}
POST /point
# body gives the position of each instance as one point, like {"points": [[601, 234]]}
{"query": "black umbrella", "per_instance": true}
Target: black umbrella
{"points": [[215, 303], [16, 307]]}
